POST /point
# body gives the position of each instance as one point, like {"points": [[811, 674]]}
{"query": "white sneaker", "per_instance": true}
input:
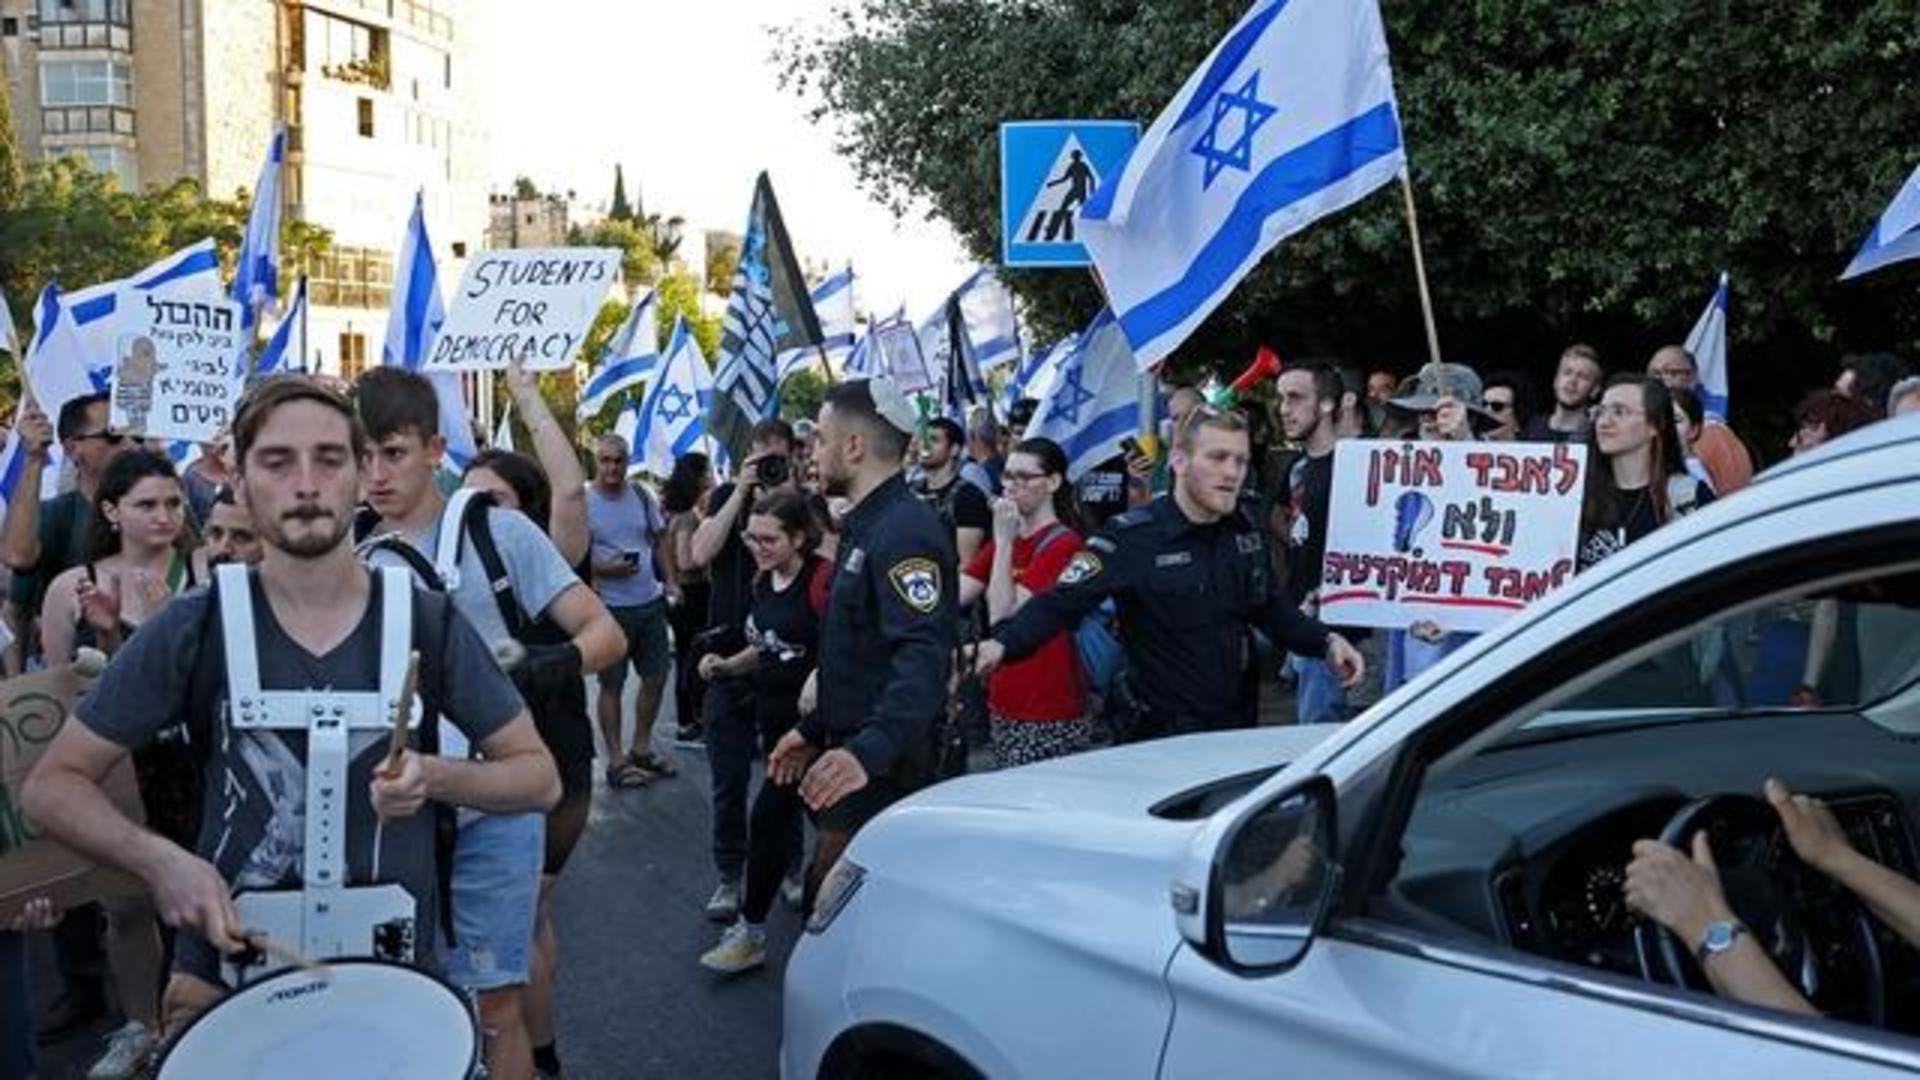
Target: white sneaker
{"points": [[793, 889], [742, 947], [724, 904], [127, 1052]]}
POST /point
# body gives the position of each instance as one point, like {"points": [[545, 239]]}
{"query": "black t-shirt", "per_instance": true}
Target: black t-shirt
{"points": [[784, 629], [253, 805], [1539, 429], [1631, 516], [63, 545], [961, 505], [732, 569], [1307, 493], [1102, 491]]}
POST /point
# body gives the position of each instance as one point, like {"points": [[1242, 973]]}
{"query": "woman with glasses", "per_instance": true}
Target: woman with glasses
{"points": [[1637, 477], [137, 560], [1037, 706], [783, 639]]}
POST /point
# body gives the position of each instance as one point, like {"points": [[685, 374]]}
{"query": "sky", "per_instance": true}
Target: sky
{"points": [[685, 96]]}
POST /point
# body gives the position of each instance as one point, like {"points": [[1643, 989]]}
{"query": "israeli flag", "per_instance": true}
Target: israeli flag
{"points": [[503, 431], [286, 350], [630, 358], [1708, 344], [672, 419], [1290, 119], [1095, 403], [416, 314], [1033, 378], [256, 276], [833, 302], [1896, 237], [414, 321], [986, 308], [860, 362], [58, 372]]}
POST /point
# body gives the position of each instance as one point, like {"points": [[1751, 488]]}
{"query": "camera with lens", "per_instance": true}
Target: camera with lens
{"points": [[773, 470]]}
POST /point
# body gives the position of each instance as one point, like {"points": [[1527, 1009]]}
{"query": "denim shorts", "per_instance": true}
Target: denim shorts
{"points": [[496, 885]]}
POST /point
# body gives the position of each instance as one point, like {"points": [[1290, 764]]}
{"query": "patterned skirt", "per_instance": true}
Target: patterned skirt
{"points": [[1023, 742]]}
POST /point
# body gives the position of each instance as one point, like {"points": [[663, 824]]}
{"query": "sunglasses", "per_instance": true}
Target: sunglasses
{"points": [[111, 438]]}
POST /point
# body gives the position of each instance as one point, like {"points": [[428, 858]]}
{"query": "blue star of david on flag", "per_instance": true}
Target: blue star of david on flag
{"points": [[1071, 396], [1239, 155], [675, 404]]}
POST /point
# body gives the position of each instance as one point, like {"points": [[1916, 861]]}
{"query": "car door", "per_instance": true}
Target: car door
{"points": [[1375, 998]]}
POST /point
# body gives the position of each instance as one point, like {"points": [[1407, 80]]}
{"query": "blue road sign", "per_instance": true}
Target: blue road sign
{"points": [[1048, 170]]}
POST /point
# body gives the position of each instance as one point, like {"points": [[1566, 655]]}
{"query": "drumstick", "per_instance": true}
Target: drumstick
{"points": [[509, 654], [284, 953], [402, 713]]}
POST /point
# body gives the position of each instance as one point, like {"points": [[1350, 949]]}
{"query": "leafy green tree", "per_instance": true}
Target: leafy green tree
{"points": [[11, 174], [1584, 171], [802, 393], [723, 259], [679, 296], [638, 262], [524, 188]]}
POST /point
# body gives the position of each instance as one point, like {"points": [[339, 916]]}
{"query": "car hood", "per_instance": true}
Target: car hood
{"points": [[1126, 780]]}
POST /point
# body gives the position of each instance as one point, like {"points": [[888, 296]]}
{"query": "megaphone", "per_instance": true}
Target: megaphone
{"points": [[1266, 365]]}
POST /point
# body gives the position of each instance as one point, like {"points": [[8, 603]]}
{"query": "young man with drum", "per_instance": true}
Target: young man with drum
{"points": [[289, 677]]}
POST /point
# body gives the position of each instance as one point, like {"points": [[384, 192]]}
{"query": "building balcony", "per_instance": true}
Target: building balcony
{"points": [[64, 36], [87, 120]]}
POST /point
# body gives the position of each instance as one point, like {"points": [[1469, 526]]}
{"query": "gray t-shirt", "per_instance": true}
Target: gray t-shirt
{"points": [[252, 824], [625, 527]]}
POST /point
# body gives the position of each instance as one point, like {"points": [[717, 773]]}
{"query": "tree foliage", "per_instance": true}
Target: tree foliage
{"points": [[801, 394], [621, 210], [723, 258], [679, 296], [11, 173], [638, 263], [1584, 171]]}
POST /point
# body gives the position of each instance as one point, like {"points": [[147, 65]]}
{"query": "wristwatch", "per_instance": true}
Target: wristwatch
{"points": [[1720, 936]]}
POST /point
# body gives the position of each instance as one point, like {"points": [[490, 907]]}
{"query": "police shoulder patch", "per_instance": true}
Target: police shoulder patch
{"points": [[1083, 565], [1131, 519], [1101, 543], [917, 581]]}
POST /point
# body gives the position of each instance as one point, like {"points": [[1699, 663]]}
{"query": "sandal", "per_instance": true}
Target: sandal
{"points": [[626, 775], [652, 764]]}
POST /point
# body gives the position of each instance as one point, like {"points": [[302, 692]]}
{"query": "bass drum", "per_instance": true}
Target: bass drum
{"points": [[357, 1020]]}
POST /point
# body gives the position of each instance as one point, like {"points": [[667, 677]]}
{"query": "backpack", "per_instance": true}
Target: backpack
{"points": [[468, 508], [1096, 640]]}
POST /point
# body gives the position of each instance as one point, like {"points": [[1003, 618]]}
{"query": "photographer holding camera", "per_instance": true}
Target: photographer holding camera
{"points": [[718, 545]]}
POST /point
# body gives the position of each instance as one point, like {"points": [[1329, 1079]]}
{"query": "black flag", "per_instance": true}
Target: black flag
{"points": [[769, 313]]}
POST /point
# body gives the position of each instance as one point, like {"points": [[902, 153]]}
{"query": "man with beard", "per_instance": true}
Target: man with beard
{"points": [[1313, 408], [889, 628], [229, 535], [1576, 389], [318, 624], [1191, 574]]}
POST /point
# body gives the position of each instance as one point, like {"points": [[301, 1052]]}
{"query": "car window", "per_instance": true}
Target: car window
{"points": [[1853, 645]]}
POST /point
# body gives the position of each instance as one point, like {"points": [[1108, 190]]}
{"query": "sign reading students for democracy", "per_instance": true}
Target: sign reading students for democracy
{"points": [[1461, 534], [534, 305], [175, 369]]}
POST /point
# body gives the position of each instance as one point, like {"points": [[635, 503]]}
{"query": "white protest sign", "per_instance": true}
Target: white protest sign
{"points": [[533, 304], [1461, 534], [176, 366]]}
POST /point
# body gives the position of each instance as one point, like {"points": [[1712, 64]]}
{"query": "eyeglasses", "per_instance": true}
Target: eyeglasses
{"points": [[759, 541], [1619, 412], [1013, 476], [111, 438]]}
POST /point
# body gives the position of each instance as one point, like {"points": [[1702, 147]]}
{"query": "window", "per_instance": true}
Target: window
{"points": [[86, 82], [351, 277], [353, 355], [10, 27], [118, 12], [459, 249], [348, 51], [366, 117], [117, 162]]}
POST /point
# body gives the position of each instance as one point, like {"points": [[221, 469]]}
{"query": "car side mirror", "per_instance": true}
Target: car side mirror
{"points": [[1273, 880]]}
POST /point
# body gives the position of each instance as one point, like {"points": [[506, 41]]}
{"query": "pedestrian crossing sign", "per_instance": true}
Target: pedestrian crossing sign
{"points": [[1048, 171]]}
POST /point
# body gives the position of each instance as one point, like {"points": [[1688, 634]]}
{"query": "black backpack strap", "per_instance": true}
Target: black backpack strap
{"points": [[423, 570], [475, 528]]}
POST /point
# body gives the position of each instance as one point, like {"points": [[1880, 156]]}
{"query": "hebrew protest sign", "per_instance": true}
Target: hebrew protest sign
{"points": [[32, 710], [534, 305], [1462, 534], [176, 369]]}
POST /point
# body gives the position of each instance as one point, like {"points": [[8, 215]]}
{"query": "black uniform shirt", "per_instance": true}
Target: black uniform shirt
{"points": [[887, 638], [1187, 592]]}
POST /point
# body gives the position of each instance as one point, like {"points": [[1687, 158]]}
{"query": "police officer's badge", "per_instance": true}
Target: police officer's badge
{"points": [[1082, 566], [918, 583]]}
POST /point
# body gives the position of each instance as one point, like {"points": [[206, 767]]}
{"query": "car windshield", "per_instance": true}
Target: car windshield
{"points": [[1853, 647]]}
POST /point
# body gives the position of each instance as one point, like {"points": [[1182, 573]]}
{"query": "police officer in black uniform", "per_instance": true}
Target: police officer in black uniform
{"points": [[1191, 573], [888, 632]]}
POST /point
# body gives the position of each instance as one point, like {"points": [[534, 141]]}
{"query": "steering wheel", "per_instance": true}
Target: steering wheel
{"points": [[1826, 949]]}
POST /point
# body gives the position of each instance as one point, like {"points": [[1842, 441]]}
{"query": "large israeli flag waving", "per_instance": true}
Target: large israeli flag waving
{"points": [[286, 350], [630, 358], [1895, 237], [1034, 377], [986, 310], [413, 321], [1095, 402], [1290, 119], [672, 419], [833, 302], [256, 276], [1708, 344], [193, 272]]}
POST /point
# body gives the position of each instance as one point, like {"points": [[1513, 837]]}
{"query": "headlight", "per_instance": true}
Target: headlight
{"points": [[839, 886]]}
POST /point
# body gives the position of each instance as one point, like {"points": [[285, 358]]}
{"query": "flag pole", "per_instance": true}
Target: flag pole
{"points": [[1420, 268]]}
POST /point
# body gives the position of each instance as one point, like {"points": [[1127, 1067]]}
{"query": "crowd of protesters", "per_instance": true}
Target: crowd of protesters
{"points": [[716, 593]]}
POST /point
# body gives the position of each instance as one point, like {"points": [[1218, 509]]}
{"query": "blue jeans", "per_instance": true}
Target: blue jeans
{"points": [[734, 743], [16, 1007], [496, 885], [1318, 697]]}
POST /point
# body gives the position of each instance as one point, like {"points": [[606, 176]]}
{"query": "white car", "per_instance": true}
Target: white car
{"points": [[1434, 889]]}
